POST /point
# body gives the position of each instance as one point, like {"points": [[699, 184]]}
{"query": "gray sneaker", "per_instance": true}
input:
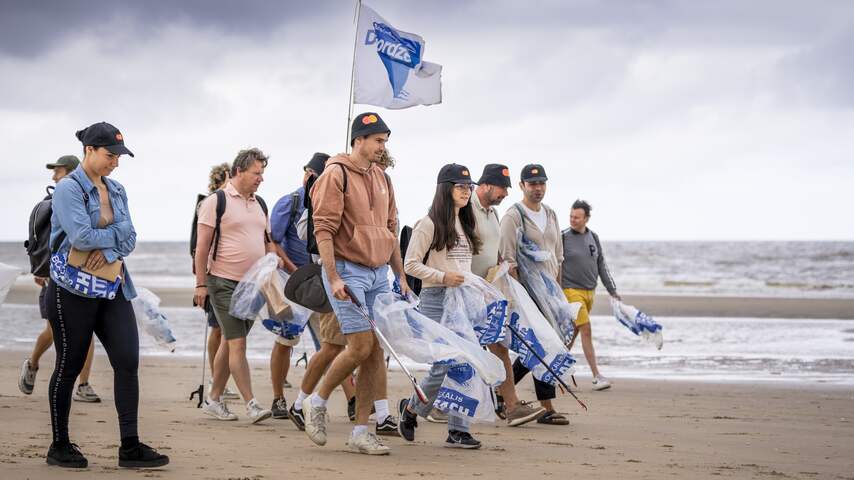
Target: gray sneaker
{"points": [[601, 383], [315, 422], [218, 410], [85, 393], [367, 443], [437, 416], [27, 380], [523, 413]]}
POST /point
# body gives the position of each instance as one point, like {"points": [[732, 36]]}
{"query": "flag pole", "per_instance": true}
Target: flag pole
{"points": [[352, 77]]}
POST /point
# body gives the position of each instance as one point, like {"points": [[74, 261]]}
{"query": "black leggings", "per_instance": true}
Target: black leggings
{"points": [[545, 391], [73, 320]]}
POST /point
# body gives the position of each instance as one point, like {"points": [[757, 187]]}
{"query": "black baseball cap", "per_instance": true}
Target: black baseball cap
{"points": [[317, 162], [367, 123], [495, 174], [454, 173], [104, 135], [69, 162], [534, 173]]}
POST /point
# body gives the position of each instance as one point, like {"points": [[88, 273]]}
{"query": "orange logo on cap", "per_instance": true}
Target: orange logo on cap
{"points": [[535, 171], [506, 172], [119, 137], [465, 173], [369, 119]]}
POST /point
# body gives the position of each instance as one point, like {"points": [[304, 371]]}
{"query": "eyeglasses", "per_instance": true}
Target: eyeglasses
{"points": [[464, 186]]}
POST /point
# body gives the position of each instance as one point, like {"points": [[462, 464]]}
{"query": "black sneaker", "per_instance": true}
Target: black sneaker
{"points": [[408, 421], [457, 439], [280, 408], [388, 427], [297, 417], [351, 409], [66, 455], [141, 456]]}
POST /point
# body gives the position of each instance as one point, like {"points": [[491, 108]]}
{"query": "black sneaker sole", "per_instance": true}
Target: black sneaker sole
{"points": [[281, 416], [461, 445], [389, 432], [57, 463], [144, 464]]}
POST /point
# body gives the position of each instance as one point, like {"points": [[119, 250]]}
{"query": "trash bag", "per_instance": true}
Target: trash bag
{"points": [[544, 289], [290, 321], [478, 307], [527, 320], [638, 322], [146, 307], [8, 274], [473, 371], [260, 287]]}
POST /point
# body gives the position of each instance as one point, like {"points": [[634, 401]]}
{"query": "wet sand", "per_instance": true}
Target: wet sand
{"points": [[638, 429]]}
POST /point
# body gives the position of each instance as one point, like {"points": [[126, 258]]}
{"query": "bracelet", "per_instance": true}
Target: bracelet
{"points": [[201, 286]]}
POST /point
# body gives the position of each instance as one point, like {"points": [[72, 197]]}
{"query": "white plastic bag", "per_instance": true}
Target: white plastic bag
{"points": [[146, 307], [248, 297], [478, 307], [466, 390], [530, 323], [638, 323], [8, 274], [546, 292]]}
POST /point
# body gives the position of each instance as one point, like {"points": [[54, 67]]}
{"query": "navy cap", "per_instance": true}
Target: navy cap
{"points": [[367, 123], [317, 162], [104, 135], [534, 173], [495, 174], [454, 173]]}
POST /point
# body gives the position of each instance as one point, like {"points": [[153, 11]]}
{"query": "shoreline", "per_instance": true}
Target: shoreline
{"points": [[655, 305]]}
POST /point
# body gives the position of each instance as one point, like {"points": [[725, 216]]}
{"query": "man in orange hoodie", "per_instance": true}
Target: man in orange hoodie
{"points": [[355, 220]]}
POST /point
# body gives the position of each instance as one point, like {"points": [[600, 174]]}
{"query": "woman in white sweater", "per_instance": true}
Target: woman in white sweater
{"points": [[439, 252]]}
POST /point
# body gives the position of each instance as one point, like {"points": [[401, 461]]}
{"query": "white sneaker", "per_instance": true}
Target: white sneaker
{"points": [[85, 393], [27, 380], [367, 443], [227, 394], [256, 413], [601, 383], [315, 422], [218, 410]]}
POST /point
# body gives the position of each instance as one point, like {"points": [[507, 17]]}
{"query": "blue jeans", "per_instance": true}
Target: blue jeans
{"points": [[366, 283], [432, 300]]}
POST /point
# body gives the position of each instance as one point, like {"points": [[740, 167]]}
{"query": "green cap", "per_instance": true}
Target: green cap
{"points": [[66, 161]]}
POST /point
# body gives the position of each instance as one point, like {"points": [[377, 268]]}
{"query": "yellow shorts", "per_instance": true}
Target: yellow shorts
{"points": [[586, 299]]}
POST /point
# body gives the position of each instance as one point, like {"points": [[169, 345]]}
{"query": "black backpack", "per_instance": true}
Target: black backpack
{"points": [[38, 237], [405, 236], [220, 211], [311, 242]]}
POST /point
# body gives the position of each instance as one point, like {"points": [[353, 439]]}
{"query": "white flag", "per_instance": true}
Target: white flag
{"points": [[389, 69]]}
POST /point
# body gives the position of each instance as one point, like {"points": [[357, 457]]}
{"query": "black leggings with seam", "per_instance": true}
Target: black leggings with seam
{"points": [[73, 320]]}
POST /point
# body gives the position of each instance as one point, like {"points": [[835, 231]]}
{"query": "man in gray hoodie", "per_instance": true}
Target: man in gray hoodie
{"points": [[583, 264]]}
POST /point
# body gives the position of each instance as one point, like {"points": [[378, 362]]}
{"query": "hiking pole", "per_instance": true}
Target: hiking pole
{"points": [[418, 391], [201, 390], [562, 384]]}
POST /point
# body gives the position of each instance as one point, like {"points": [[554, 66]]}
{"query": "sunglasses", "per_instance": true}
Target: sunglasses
{"points": [[464, 186]]}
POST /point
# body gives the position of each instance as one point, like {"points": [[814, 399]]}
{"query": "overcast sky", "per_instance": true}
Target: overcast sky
{"points": [[677, 120]]}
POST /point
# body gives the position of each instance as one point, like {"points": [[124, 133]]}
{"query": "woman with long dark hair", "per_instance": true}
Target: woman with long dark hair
{"points": [[89, 292], [439, 252]]}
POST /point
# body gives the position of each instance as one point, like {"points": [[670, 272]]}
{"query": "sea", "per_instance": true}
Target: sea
{"points": [[696, 348]]}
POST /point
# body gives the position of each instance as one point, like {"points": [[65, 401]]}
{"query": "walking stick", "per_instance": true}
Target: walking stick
{"points": [[562, 384], [418, 391]]}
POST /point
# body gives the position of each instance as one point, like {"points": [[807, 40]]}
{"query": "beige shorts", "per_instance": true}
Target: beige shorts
{"points": [[327, 328]]}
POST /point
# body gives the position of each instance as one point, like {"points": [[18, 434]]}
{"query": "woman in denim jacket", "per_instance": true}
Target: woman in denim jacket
{"points": [[90, 214]]}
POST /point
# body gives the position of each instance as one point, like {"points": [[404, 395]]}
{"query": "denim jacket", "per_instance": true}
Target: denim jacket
{"points": [[80, 224]]}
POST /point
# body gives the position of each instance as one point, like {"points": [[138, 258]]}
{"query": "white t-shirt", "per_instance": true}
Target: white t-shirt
{"points": [[541, 218]]}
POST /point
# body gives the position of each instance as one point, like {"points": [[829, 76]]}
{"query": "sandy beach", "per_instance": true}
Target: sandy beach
{"points": [[639, 429]]}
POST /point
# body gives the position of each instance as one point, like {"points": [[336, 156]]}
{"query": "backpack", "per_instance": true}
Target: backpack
{"points": [[38, 236], [405, 236], [220, 211], [311, 242]]}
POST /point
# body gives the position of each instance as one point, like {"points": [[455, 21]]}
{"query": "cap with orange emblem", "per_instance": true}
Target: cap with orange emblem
{"points": [[495, 174], [104, 135], [534, 173], [367, 123], [454, 173]]}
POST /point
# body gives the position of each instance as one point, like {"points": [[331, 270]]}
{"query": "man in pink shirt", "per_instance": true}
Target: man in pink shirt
{"points": [[223, 255]]}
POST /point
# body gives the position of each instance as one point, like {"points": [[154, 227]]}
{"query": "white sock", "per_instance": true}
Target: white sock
{"points": [[316, 401], [360, 430], [298, 403], [381, 406]]}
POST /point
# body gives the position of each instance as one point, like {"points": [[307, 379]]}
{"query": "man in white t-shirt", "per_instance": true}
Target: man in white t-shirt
{"points": [[541, 227]]}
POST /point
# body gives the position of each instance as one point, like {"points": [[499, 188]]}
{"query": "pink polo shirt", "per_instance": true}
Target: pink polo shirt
{"points": [[241, 241]]}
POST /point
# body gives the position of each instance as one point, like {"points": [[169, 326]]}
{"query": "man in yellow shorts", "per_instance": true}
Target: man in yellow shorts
{"points": [[583, 265]]}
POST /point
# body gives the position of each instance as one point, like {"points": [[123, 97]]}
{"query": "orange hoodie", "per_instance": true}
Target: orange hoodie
{"points": [[362, 221]]}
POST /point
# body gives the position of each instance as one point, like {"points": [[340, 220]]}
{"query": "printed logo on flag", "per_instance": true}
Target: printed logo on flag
{"points": [[398, 54]]}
